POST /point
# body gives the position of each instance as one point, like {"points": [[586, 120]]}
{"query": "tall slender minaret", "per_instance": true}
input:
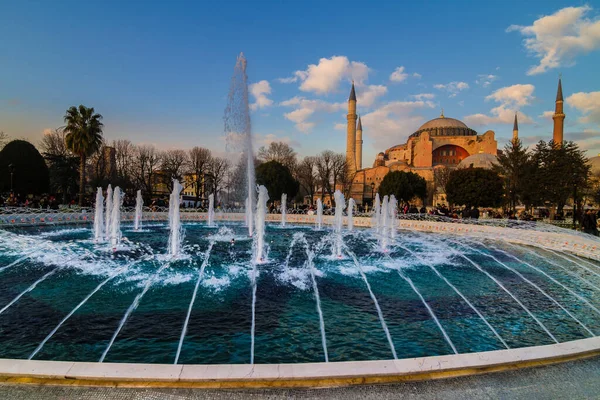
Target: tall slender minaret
{"points": [[351, 133], [515, 130], [558, 117], [359, 143]]}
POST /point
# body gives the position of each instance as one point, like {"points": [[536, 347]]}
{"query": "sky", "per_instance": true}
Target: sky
{"points": [[159, 72]]}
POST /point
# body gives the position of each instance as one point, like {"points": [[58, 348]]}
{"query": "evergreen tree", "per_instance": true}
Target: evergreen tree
{"points": [[278, 179], [475, 187], [562, 172]]}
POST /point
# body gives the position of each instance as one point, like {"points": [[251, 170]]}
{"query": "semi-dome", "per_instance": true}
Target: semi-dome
{"points": [[594, 164], [444, 126], [480, 160]]}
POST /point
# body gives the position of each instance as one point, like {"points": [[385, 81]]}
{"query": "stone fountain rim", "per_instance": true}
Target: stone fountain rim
{"points": [[322, 374]]}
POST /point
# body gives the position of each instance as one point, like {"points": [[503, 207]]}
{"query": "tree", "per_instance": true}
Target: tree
{"points": [[563, 172], [145, 165], [29, 170], [217, 171], [517, 170], [62, 164], [3, 139], [307, 176], [475, 187], [280, 152], [405, 186], [83, 137], [172, 164], [124, 154], [277, 178], [198, 162]]}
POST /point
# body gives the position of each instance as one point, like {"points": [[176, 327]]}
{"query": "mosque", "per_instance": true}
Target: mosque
{"points": [[440, 144]]}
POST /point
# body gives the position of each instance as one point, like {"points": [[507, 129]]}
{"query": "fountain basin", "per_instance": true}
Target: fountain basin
{"points": [[288, 332], [291, 375]]}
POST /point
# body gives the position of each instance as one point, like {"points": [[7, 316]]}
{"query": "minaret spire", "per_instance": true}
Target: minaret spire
{"points": [[351, 133], [515, 130], [559, 116], [359, 143]]}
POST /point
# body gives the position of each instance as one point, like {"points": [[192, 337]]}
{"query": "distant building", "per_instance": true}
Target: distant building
{"points": [[440, 143]]}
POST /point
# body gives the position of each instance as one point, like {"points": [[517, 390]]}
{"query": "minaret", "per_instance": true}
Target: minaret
{"points": [[351, 133], [558, 117], [359, 143], [515, 130]]}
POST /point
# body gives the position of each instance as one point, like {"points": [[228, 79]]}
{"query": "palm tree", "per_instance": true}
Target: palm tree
{"points": [[83, 137]]}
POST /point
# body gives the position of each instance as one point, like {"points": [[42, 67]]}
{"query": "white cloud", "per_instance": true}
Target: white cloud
{"points": [[340, 127], [325, 77], [510, 99], [558, 39], [398, 75], [393, 122], [423, 96], [288, 80], [588, 104], [546, 115], [265, 140], [305, 108], [259, 91], [453, 88], [366, 95], [486, 80]]}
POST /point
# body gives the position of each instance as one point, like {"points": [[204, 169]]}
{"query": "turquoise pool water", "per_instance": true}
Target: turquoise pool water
{"points": [[485, 295]]}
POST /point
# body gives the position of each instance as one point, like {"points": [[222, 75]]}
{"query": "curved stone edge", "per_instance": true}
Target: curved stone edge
{"points": [[292, 375]]}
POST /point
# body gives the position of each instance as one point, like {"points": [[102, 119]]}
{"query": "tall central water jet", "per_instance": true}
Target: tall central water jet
{"points": [[384, 223], [108, 212], [238, 130], [174, 219], [283, 208], [211, 209], [139, 204], [340, 204], [115, 218], [99, 217], [261, 215]]}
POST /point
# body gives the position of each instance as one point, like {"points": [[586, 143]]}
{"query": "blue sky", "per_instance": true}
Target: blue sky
{"points": [[159, 72]]}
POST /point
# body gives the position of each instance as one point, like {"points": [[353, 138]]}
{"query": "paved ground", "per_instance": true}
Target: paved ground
{"points": [[575, 380]]}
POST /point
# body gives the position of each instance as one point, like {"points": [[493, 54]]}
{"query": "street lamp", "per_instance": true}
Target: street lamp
{"points": [[11, 169], [372, 193]]}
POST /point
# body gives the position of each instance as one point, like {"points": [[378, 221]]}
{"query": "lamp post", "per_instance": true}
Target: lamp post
{"points": [[575, 201], [11, 169], [372, 194]]}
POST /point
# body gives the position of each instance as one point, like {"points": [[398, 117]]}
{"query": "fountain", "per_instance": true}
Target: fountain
{"points": [[99, 217], [115, 218], [174, 220], [338, 221], [376, 219], [283, 208], [238, 130], [108, 212], [393, 215], [384, 223], [319, 220], [211, 209], [261, 215], [350, 211], [139, 204]]}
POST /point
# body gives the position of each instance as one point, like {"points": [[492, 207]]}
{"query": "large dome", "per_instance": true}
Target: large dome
{"points": [[443, 126], [443, 122]]}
